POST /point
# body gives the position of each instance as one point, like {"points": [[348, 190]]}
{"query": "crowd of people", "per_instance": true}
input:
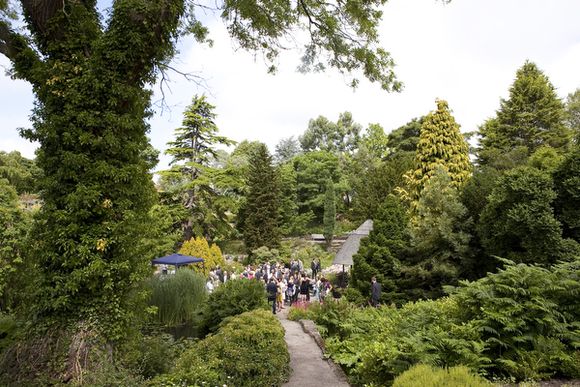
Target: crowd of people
{"points": [[285, 284]]}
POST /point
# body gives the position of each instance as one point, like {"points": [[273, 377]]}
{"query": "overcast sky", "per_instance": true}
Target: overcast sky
{"points": [[466, 52]]}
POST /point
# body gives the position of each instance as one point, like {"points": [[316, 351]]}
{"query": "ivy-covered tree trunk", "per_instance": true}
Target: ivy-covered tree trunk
{"points": [[89, 120]]}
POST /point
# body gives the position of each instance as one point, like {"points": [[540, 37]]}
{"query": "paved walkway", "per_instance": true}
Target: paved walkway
{"points": [[309, 367]]}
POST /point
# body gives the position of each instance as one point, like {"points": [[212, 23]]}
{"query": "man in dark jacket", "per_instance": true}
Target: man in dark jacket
{"points": [[375, 292], [272, 289]]}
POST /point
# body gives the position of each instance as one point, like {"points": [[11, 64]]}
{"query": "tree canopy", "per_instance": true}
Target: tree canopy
{"points": [[531, 117]]}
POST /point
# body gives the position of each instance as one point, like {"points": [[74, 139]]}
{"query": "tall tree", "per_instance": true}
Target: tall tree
{"points": [[260, 212], [286, 149], [380, 252], [567, 187], [21, 173], [405, 138], [573, 113], [324, 135], [329, 212], [440, 146], [313, 169], [292, 223], [518, 221], [531, 117], [193, 151], [438, 239]]}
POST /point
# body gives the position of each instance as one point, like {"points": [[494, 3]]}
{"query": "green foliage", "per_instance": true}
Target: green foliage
{"points": [[406, 138], [428, 376], [324, 135], [247, 350], [307, 253], [192, 178], [518, 221], [14, 225], [286, 149], [527, 317], [546, 159], [178, 297], [230, 299], [260, 212], [21, 173], [199, 247], [438, 240], [379, 254], [532, 116], [373, 180], [313, 169], [263, 254], [440, 145], [292, 223], [9, 330], [164, 235], [567, 187], [329, 212], [573, 114], [153, 354], [521, 322]]}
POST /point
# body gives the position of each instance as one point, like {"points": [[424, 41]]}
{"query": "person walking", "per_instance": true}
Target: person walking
{"points": [[375, 292], [280, 295], [272, 290]]}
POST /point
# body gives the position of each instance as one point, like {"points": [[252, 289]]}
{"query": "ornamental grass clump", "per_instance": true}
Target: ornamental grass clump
{"points": [[178, 298]]}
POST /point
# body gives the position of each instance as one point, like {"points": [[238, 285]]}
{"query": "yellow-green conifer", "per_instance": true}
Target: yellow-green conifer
{"points": [[441, 146], [198, 247]]}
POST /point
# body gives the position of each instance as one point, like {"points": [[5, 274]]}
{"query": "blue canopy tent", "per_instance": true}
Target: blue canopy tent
{"points": [[176, 260]]}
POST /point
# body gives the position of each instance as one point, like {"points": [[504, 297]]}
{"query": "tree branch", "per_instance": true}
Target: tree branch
{"points": [[15, 47]]}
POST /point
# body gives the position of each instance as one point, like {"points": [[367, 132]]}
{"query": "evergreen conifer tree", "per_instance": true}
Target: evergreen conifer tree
{"points": [[193, 151], [441, 146], [567, 187], [261, 208], [379, 253], [518, 221], [532, 116], [329, 212]]}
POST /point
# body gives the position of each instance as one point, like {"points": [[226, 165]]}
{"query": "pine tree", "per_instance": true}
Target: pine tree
{"points": [[261, 208], [441, 145], [329, 212], [532, 116], [193, 151]]}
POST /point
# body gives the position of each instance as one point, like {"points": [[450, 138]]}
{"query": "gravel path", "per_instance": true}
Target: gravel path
{"points": [[309, 367]]}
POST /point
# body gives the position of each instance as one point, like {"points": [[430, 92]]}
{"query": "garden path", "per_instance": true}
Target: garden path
{"points": [[309, 367]]}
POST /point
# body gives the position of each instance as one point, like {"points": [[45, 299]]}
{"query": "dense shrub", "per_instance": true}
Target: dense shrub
{"points": [[528, 317], [153, 354], [247, 350], [520, 323], [230, 299], [177, 297], [9, 329], [427, 376]]}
